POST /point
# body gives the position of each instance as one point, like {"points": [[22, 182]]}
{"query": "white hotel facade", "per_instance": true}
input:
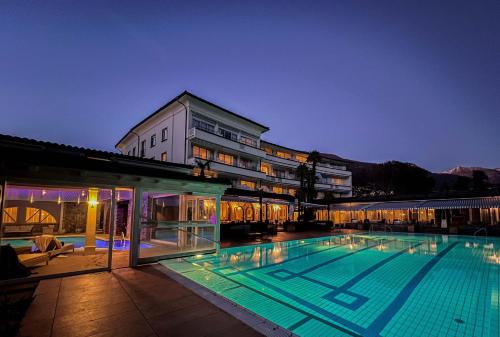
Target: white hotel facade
{"points": [[189, 128]]}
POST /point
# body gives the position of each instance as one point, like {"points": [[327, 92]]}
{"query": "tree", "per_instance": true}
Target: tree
{"points": [[301, 172], [479, 180], [202, 166], [462, 183], [314, 157]]}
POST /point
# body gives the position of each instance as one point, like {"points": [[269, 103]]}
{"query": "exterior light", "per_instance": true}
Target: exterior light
{"points": [[44, 192], [59, 200], [93, 203], [31, 198], [117, 196], [78, 200]]}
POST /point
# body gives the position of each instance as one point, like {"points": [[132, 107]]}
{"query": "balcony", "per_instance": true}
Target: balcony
{"points": [[229, 169], [212, 138], [286, 181]]}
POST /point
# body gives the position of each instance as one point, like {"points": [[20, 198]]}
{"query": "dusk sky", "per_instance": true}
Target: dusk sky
{"points": [[415, 81]]}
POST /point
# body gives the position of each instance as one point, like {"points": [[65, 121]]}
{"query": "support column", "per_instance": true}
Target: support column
{"points": [[112, 221], [91, 221], [217, 222], [2, 201], [135, 233]]}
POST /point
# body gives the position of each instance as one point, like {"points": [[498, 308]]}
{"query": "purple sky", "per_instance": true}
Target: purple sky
{"points": [[367, 80]]}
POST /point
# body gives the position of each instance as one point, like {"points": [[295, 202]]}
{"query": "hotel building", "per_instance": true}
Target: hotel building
{"points": [[190, 130]]}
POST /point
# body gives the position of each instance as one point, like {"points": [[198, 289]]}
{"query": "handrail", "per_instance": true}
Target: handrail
{"points": [[481, 229]]}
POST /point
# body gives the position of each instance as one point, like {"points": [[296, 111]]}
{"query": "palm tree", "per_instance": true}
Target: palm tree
{"points": [[314, 157], [301, 172], [202, 166]]}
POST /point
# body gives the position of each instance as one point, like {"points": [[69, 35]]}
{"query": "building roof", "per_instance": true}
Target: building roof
{"points": [[187, 93], [460, 203], [18, 151]]}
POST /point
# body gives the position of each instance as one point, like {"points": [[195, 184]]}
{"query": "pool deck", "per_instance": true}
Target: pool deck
{"points": [[140, 302]]}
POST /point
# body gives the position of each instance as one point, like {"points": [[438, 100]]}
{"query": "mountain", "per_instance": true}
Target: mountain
{"points": [[493, 174]]}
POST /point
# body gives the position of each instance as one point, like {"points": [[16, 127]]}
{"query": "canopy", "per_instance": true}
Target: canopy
{"points": [[394, 205], [488, 202], [349, 207], [238, 199]]}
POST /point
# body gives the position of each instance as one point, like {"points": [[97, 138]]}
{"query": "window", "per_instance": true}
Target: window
{"points": [[265, 169], [153, 141], [291, 191], [143, 148], [268, 150], [301, 158], [9, 215], [284, 155], [200, 152], [228, 134], [279, 173], [164, 156], [225, 158], [164, 134], [133, 152], [248, 141], [36, 215], [203, 125], [249, 184], [128, 153], [277, 189], [248, 164]]}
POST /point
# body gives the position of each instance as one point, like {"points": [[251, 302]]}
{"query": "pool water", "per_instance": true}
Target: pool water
{"points": [[78, 241], [361, 285]]}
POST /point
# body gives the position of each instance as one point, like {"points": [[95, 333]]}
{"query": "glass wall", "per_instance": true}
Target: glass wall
{"points": [[55, 230], [175, 224]]}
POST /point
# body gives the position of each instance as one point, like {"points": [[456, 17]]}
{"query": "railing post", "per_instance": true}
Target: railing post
{"points": [[136, 228]]}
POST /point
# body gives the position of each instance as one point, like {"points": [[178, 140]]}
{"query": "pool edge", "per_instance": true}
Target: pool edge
{"points": [[253, 320]]}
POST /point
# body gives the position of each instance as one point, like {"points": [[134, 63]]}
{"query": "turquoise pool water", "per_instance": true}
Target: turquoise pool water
{"points": [[361, 285], [78, 241]]}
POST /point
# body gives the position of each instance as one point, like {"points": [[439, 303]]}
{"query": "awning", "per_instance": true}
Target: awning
{"points": [[274, 201], [394, 205], [348, 207], [239, 199], [311, 205], [488, 202]]}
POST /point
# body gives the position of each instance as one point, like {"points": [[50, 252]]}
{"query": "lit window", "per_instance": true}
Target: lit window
{"points": [[284, 155], [200, 152], [249, 184], [9, 215], [301, 158], [164, 134], [36, 215], [277, 189], [268, 150], [248, 141], [225, 158], [164, 156], [265, 169], [291, 191], [153, 141]]}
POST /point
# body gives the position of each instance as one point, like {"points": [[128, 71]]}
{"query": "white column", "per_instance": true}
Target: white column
{"points": [[135, 233], [217, 222]]}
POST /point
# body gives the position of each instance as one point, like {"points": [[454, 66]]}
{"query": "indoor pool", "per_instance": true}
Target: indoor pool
{"points": [[78, 241], [361, 285]]}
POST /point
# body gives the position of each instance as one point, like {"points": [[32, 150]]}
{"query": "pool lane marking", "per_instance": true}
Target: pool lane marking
{"points": [[299, 323], [336, 318], [294, 258], [376, 327], [277, 300]]}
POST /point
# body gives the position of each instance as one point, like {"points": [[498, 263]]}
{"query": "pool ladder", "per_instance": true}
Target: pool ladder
{"points": [[481, 229]]}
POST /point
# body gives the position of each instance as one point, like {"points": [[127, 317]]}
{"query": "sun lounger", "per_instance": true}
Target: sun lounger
{"points": [[64, 249], [31, 260]]}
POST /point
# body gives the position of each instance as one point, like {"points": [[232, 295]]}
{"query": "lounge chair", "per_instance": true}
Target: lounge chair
{"points": [[64, 249], [33, 259]]}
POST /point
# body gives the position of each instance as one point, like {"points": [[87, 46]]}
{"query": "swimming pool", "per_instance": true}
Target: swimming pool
{"points": [[78, 241], [361, 285]]}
